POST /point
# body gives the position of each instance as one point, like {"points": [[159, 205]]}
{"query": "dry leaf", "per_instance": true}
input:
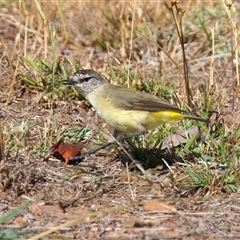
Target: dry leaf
{"points": [[154, 205], [232, 119], [20, 221], [127, 179], [67, 150], [179, 138]]}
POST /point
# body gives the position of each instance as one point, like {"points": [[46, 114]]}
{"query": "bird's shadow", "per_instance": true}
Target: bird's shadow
{"points": [[152, 157]]}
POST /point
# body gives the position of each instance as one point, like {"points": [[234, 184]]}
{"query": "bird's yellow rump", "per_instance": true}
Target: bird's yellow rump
{"points": [[125, 110]]}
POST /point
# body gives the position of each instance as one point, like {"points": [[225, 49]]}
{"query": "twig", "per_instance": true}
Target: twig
{"points": [[177, 15]]}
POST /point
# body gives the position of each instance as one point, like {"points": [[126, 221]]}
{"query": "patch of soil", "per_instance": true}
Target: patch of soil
{"points": [[110, 202]]}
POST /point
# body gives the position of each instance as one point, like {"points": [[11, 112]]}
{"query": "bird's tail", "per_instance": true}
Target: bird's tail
{"points": [[196, 118]]}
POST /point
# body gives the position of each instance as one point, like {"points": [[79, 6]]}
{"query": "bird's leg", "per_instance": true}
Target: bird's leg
{"points": [[133, 135], [116, 134], [117, 139], [97, 149], [127, 138]]}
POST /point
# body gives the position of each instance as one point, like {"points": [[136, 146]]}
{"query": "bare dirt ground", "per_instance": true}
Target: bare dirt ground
{"points": [[99, 197], [109, 201]]}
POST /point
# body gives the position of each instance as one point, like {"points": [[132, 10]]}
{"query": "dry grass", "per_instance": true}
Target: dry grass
{"points": [[137, 44]]}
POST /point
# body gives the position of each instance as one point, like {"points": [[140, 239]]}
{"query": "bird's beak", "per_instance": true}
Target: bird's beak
{"points": [[69, 82]]}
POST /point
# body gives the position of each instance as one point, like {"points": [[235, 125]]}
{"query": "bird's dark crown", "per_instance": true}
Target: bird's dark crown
{"points": [[85, 75]]}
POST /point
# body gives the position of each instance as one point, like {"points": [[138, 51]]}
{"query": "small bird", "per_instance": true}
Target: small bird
{"points": [[125, 110]]}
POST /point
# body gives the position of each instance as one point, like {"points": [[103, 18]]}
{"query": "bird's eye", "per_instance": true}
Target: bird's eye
{"points": [[86, 79]]}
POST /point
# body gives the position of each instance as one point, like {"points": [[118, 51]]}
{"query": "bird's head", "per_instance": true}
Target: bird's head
{"points": [[85, 81]]}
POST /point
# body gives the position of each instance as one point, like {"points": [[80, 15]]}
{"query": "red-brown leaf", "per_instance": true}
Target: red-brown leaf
{"points": [[67, 150]]}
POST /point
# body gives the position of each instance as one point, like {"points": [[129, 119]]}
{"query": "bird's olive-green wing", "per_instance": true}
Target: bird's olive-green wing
{"points": [[130, 99]]}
